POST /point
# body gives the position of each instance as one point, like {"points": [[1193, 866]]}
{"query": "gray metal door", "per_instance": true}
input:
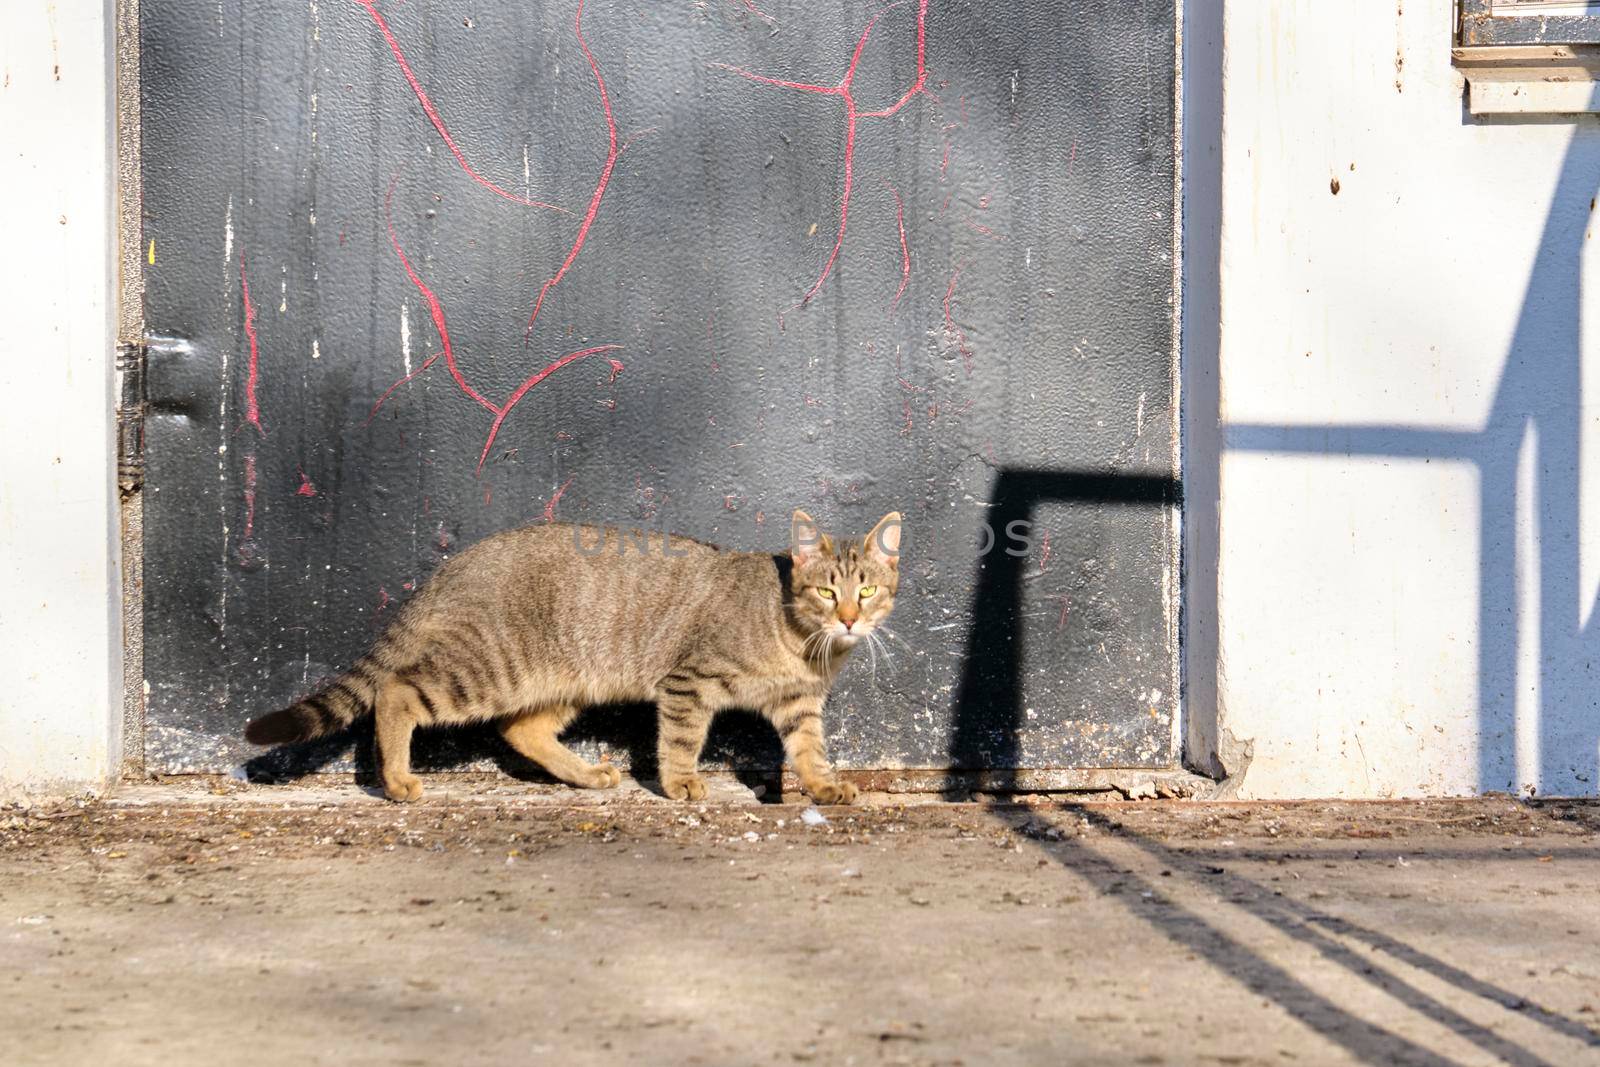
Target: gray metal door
{"points": [[440, 267]]}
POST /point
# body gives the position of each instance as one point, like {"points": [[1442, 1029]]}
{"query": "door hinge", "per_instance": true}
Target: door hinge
{"points": [[132, 359]]}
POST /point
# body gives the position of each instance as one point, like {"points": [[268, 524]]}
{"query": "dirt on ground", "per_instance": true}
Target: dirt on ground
{"points": [[211, 921]]}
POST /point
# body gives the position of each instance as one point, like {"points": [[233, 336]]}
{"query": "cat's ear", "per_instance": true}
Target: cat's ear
{"points": [[807, 542], [883, 543]]}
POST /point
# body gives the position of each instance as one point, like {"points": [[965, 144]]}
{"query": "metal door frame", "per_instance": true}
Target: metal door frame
{"points": [[1192, 749], [129, 391]]}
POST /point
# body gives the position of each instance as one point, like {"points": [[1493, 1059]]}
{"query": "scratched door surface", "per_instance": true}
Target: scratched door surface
{"points": [[433, 268]]}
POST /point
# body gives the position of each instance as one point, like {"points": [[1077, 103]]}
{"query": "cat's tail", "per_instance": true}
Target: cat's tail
{"points": [[326, 711]]}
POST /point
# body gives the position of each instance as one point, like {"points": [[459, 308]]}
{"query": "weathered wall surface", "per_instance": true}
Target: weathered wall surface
{"points": [[60, 702], [1409, 541]]}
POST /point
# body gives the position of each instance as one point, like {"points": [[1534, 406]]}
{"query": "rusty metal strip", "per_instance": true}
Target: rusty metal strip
{"points": [[1130, 781], [130, 338]]}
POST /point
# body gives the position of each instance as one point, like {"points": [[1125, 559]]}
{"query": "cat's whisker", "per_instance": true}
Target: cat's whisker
{"points": [[886, 632], [888, 657], [819, 636], [823, 639]]}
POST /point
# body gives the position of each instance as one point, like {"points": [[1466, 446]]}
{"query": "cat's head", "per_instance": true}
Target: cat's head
{"points": [[843, 588]]}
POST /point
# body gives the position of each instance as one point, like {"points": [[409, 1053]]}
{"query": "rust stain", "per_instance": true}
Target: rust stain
{"points": [[55, 44], [1399, 46]]}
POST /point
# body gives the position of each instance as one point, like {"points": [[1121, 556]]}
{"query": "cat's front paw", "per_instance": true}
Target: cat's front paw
{"points": [[603, 776], [685, 787], [832, 791], [402, 787]]}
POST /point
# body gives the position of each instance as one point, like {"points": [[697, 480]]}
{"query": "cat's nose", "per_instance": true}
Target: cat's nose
{"points": [[849, 624]]}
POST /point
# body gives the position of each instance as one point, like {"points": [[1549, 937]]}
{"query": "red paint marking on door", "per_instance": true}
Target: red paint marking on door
{"points": [[600, 187], [852, 114], [436, 313], [750, 6], [436, 309], [950, 323], [252, 409], [905, 249], [555, 498], [378, 20], [306, 488], [249, 497], [522, 391], [979, 228]]}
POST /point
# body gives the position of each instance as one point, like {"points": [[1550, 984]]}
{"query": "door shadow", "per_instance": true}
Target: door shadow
{"points": [[988, 710]]}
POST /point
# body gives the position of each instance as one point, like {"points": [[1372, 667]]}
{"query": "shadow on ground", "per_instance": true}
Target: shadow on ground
{"points": [[1333, 938], [741, 742]]}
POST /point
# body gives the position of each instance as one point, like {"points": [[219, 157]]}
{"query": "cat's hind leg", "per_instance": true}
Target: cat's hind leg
{"points": [[534, 734], [398, 711]]}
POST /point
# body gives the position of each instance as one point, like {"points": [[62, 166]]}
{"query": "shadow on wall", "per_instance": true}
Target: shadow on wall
{"points": [[988, 704], [1535, 415]]}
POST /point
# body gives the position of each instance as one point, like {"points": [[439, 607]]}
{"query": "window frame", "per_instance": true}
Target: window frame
{"points": [[1479, 26]]}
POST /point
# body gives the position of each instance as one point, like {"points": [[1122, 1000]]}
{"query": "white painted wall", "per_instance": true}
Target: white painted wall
{"points": [[1408, 536], [60, 674]]}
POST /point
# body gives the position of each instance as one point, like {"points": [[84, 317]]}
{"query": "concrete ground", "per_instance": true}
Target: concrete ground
{"points": [[499, 922]]}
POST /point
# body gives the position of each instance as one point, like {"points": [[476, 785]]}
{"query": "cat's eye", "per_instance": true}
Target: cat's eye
{"points": [[826, 594], [866, 591]]}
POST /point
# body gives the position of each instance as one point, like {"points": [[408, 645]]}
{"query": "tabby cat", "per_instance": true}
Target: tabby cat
{"points": [[528, 626]]}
